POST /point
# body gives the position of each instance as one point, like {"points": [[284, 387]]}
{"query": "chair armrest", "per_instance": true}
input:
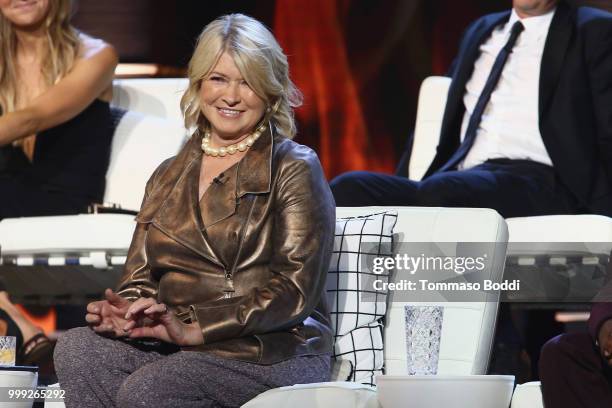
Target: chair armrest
{"points": [[318, 395], [430, 110]]}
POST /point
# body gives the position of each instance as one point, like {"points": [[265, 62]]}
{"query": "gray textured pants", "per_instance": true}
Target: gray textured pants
{"points": [[99, 372]]}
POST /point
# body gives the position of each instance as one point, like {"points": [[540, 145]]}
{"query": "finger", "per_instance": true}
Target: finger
{"points": [[94, 307], [92, 318], [142, 332], [120, 333], [114, 298], [130, 325], [138, 306], [160, 308], [103, 329]]}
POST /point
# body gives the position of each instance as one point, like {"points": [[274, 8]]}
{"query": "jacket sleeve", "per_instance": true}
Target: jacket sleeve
{"points": [[136, 280], [600, 69], [302, 243]]}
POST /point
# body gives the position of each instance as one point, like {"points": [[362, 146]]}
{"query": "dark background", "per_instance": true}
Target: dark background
{"points": [[359, 63]]}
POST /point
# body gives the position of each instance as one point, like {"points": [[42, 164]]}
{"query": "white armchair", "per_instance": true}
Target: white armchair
{"points": [[572, 230], [467, 329]]}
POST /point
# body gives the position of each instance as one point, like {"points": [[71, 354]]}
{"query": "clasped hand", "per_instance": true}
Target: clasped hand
{"points": [[116, 316]]}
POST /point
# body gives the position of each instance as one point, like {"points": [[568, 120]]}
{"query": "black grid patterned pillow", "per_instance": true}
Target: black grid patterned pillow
{"points": [[357, 238], [363, 347], [358, 324]]}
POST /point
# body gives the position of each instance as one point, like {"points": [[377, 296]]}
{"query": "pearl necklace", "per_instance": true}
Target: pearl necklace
{"points": [[233, 148]]}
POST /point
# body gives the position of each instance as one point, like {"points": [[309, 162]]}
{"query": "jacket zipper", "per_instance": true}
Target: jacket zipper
{"points": [[229, 276]]}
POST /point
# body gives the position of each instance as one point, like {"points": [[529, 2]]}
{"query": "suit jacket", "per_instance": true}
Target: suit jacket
{"points": [[575, 100], [249, 261]]}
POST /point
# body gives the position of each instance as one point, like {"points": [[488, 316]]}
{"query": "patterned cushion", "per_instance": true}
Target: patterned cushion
{"points": [[363, 347], [357, 322]]}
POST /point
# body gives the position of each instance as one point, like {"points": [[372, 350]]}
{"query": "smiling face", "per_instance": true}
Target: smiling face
{"points": [[231, 107], [25, 14]]}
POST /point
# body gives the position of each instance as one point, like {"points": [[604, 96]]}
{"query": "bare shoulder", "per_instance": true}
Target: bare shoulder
{"points": [[91, 47]]}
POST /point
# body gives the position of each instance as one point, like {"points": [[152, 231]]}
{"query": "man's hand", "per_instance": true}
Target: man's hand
{"points": [[108, 316], [604, 339], [147, 318]]}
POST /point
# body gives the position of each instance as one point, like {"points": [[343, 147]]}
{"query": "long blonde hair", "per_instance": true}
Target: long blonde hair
{"points": [[260, 60], [63, 47]]}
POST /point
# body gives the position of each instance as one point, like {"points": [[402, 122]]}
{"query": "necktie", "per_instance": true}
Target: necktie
{"points": [[483, 99]]}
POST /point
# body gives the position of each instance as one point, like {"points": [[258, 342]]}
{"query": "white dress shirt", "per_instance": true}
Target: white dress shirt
{"points": [[509, 127]]}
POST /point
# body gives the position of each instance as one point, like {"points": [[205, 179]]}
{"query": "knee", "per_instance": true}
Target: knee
{"points": [[345, 185], [72, 350], [436, 193], [71, 343], [429, 194], [347, 188], [129, 394]]}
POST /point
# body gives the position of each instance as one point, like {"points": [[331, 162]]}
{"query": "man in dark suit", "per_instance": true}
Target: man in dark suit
{"points": [[527, 128]]}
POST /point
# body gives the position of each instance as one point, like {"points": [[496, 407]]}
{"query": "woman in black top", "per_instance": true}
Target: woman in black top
{"points": [[55, 125]]}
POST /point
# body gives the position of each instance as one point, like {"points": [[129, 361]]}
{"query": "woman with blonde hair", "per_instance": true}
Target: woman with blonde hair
{"points": [[55, 125], [222, 295]]}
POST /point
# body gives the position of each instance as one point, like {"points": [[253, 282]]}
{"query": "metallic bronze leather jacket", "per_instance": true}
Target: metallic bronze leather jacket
{"points": [[249, 261]]}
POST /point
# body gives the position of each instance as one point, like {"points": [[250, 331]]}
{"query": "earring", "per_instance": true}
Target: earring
{"points": [[268, 109]]}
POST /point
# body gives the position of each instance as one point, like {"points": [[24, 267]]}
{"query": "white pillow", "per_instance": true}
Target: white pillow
{"points": [[355, 239], [363, 347], [358, 322]]}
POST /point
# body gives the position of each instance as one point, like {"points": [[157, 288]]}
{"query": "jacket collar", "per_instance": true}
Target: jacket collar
{"points": [[557, 40], [173, 204], [251, 175], [255, 169], [468, 56]]}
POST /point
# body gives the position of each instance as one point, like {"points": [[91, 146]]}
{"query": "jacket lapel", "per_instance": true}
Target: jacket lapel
{"points": [[461, 73], [557, 40], [250, 175], [468, 55], [255, 169], [173, 207], [219, 200]]}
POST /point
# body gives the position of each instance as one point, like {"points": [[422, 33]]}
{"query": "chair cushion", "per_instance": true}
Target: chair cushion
{"points": [[318, 395]]}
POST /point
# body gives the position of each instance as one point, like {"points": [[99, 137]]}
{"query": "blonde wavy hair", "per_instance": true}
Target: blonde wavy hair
{"points": [[63, 47], [260, 60]]}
